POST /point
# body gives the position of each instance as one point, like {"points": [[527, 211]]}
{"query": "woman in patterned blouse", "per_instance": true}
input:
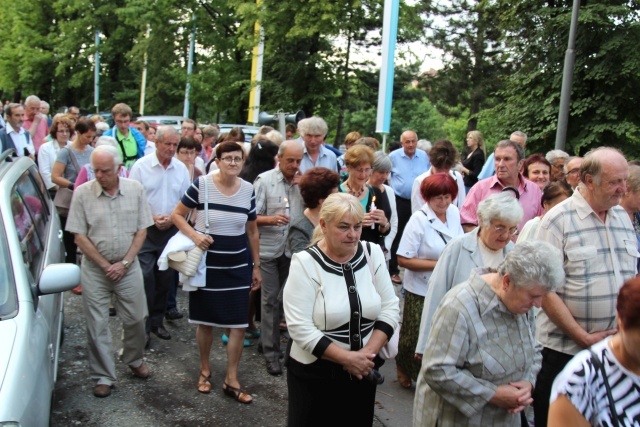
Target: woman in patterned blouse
{"points": [[482, 356]]}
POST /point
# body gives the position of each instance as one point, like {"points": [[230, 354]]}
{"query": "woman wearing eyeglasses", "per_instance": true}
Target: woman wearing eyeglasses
{"points": [[486, 246], [186, 153], [64, 171], [61, 132], [232, 259], [377, 211]]}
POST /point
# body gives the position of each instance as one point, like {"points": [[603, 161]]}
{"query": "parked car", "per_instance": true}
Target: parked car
{"points": [[32, 279], [175, 121]]}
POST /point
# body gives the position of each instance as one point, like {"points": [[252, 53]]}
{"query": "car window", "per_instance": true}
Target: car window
{"points": [[8, 294], [169, 122], [30, 217]]}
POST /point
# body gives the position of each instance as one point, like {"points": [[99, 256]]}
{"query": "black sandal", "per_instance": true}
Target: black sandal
{"points": [[239, 395], [204, 386]]}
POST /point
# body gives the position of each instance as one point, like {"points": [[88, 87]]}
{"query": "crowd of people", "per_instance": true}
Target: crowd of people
{"points": [[520, 303]]}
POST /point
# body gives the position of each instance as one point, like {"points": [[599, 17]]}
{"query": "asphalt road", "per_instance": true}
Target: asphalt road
{"points": [[169, 397]]}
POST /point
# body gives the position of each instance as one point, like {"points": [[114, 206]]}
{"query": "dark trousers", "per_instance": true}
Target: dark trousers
{"points": [[172, 304], [404, 213], [156, 283], [68, 239], [553, 362]]}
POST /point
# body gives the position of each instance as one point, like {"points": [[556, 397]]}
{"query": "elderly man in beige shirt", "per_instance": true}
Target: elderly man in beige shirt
{"points": [[109, 217]]}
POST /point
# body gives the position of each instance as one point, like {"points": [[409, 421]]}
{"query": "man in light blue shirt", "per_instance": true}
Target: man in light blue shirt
{"points": [[408, 164], [489, 168], [313, 131]]}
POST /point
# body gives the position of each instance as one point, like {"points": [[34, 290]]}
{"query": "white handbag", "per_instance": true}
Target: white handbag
{"points": [[186, 262], [390, 349]]}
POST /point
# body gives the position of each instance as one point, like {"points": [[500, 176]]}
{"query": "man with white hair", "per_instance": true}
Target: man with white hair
{"points": [[35, 122], [109, 217], [600, 253], [557, 158], [165, 180], [312, 132], [44, 109]]}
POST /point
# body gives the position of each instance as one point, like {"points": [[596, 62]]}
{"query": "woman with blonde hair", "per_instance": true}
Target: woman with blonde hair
{"points": [[472, 164], [341, 309]]}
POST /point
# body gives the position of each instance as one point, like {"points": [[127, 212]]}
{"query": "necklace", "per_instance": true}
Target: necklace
{"points": [[352, 191]]}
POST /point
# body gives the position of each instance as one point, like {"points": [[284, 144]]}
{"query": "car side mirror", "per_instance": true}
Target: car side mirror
{"points": [[58, 278]]}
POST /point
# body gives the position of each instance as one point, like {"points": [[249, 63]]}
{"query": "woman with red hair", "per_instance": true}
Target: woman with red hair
{"points": [[600, 386], [430, 228]]}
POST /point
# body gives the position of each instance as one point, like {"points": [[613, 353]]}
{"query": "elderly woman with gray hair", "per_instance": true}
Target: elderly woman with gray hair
{"points": [[381, 169], [482, 357], [486, 246]]}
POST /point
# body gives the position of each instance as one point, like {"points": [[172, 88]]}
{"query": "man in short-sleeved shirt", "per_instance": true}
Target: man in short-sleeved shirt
{"points": [[600, 254], [109, 217], [408, 163], [277, 201], [509, 157], [165, 180]]}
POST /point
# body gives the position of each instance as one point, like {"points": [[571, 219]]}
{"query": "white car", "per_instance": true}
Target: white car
{"points": [[175, 121], [32, 279]]}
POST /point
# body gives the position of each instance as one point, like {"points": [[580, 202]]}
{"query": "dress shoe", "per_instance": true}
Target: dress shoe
{"points": [[274, 367], [161, 333], [141, 371], [102, 390], [173, 314]]}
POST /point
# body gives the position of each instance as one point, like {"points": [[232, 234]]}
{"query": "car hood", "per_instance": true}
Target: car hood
{"points": [[8, 330]]}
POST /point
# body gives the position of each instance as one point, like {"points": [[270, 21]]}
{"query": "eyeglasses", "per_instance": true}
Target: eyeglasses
{"points": [[574, 170], [500, 229], [361, 171], [230, 160], [123, 122], [188, 152]]}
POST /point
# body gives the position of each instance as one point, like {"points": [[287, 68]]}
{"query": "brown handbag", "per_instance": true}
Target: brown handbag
{"points": [[62, 200]]}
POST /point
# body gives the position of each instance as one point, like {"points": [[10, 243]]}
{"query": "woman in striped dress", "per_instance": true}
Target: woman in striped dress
{"points": [[231, 247]]}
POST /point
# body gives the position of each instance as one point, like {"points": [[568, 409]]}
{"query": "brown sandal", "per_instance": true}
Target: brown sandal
{"points": [[403, 379], [204, 386], [237, 394]]}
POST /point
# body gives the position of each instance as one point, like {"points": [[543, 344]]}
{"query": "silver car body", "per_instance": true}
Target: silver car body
{"points": [[32, 279]]}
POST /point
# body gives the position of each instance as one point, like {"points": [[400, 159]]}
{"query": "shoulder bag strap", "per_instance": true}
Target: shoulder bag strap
{"points": [[437, 231], [206, 205], [365, 247], [73, 160], [612, 404]]}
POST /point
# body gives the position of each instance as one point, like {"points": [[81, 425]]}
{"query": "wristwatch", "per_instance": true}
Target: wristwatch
{"points": [[125, 263]]}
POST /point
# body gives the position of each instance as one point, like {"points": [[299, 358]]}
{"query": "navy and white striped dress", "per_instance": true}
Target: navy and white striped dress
{"points": [[224, 301]]}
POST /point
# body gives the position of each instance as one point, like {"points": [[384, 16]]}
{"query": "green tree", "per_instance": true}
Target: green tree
{"points": [[605, 81]]}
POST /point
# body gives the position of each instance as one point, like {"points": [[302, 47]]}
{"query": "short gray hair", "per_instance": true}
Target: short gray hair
{"points": [[107, 140], [592, 164], [313, 126], [286, 144], [424, 145], [565, 168], [499, 207], [532, 263], [274, 136], [554, 155], [164, 131], [520, 134], [110, 150], [381, 162], [30, 99], [210, 131], [508, 143]]}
